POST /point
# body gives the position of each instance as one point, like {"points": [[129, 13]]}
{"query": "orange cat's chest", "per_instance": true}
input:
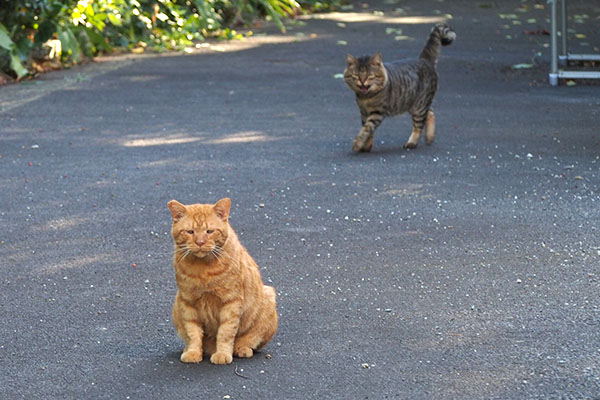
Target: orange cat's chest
{"points": [[207, 296], [208, 307]]}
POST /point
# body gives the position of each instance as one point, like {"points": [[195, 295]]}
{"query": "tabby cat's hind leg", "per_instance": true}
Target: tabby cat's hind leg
{"points": [[418, 121], [430, 127]]}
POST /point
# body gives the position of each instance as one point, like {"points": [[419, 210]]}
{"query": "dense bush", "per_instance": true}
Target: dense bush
{"points": [[89, 27]]}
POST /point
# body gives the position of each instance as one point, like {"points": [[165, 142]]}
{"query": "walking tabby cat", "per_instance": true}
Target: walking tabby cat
{"points": [[389, 89]]}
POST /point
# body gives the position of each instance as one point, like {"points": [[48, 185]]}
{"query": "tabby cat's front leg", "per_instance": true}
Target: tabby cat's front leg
{"points": [[364, 140], [229, 323]]}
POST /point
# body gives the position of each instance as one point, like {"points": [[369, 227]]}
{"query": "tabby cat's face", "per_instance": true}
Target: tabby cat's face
{"points": [[365, 75], [200, 229]]}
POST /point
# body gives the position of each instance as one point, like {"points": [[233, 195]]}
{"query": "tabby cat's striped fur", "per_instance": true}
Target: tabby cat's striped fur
{"points": [[393, 88]]}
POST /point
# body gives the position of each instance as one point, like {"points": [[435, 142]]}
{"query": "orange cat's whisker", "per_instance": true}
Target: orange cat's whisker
{"points": [[220, 254]]}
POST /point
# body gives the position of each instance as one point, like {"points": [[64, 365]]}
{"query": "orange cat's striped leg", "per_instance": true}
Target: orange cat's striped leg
{"points": [[185, 320], [253, 340], [229, 318], [263, 328]]}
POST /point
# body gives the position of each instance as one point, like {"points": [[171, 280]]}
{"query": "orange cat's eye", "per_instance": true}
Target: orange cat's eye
{"points": [[210, 231], [190, 232]]}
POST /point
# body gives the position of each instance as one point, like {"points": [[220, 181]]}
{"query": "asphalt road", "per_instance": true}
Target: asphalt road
{"points": [[468, 269]]}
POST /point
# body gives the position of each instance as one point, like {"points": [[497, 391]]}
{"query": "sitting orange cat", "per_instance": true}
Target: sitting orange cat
{"points": [[222, 307]]}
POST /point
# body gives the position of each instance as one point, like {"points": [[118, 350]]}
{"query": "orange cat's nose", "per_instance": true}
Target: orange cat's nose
{"points": [[200, 242]]}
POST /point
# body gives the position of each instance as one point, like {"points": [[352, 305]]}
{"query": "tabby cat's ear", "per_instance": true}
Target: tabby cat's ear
{"points": [[177, 210], [376, 59], [222, 208], [350, 59]]}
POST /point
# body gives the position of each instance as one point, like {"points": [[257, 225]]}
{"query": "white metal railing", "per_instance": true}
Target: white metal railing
{"points": [[564, 57]]}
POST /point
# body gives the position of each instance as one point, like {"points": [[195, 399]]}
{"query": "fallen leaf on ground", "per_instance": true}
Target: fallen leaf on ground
{"points": [[522, 66]]}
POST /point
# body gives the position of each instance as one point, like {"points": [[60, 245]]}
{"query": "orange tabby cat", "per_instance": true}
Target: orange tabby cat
{"points": [[222, 307]]}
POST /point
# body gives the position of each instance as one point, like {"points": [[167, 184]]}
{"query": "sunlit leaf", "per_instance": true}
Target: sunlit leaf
{"points": [[522, 66], [115, 20], [162, 16]]}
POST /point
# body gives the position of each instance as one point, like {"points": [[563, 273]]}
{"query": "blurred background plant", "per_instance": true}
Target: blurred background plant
{"points": [[38, 34]]}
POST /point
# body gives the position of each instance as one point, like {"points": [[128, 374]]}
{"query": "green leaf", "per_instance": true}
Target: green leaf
{"points": [[69, 43], [268, 5], [17, 66], [15, 61], [98, 40], [5, 40], [22, 48], [116, 21]]}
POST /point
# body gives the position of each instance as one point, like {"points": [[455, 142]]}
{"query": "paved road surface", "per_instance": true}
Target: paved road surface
{"points": [[468, 269]]}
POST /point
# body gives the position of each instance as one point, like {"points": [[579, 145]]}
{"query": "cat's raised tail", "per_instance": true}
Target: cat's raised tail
{"points": [[441, 34]]}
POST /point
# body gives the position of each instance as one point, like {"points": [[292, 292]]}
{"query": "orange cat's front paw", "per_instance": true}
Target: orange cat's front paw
{"points": [[244, 352], [221, 358], [191, 356]]}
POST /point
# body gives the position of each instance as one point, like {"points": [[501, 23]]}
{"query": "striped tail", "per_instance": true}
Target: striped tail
{"points": [[440, 34]]}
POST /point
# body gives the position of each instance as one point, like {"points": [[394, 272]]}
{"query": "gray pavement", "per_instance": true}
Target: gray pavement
{"points": [[468, 269]]}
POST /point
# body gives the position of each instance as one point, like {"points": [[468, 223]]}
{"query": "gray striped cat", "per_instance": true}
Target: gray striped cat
{"points": [[393, 88]]}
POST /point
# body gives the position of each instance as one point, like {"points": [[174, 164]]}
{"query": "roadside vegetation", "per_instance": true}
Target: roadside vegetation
{"points": [[36, 35]]}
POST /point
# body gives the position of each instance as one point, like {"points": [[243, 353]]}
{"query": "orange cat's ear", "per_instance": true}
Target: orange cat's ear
{"points": [[177, 210], [222, 208]]}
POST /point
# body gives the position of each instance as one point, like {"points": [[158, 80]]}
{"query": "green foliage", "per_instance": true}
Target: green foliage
{"points": [[89, 27]]}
